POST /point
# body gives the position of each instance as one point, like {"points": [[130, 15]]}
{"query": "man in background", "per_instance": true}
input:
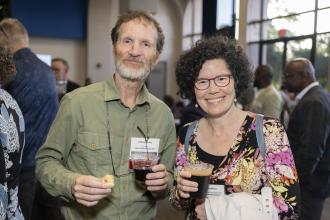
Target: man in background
{"points": [[34, 90], [268, 100], [61, 68], [309, 136]]}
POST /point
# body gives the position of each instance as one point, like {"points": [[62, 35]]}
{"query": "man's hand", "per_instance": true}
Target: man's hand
{"points": [[89, 190], [158, 179]]}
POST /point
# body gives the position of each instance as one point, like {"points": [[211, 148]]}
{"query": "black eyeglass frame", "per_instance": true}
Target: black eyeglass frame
{"points": [[228, 76], [146, 138]]}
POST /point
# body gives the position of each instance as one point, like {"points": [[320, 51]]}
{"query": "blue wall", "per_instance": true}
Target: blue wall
{"points": [[58, 19]]}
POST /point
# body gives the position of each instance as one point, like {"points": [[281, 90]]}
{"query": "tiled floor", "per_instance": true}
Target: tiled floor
{"points": [[166, 212]]}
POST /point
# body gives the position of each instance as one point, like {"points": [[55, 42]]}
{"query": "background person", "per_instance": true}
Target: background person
{"points": [[288, 105], [61, 68], [309, 135], [34, 90], [213, 74], [268, 100], [246, 98], [12, 131], [97, 127]]}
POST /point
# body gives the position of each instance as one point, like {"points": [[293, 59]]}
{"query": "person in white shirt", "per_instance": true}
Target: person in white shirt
{"points": [[268, 100]]}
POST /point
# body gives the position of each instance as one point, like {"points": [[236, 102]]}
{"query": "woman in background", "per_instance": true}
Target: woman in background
{"points": [[11, 142], [212, 74]]}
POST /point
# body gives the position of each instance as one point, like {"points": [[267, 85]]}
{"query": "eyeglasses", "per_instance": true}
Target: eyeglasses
{"points": [[220, 81], [113, 166], [146, 138]]}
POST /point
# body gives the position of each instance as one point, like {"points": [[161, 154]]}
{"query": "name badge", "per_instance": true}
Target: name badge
{"points": [[139, 145], [216, 190]]}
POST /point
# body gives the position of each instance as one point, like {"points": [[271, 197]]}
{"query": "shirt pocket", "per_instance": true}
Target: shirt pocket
{"points": [[92, 149]]}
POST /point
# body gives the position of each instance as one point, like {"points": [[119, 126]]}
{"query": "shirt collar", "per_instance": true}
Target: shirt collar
{"points": [[267, 87], [22, 53], [305, 90], [111, 92], [259, 91]]}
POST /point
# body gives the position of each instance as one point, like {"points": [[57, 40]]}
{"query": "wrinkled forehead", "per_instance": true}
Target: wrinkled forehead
{"points": [[138, 27], [294, 67]]}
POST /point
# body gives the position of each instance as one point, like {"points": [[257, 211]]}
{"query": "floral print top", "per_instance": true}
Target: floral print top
{"points": [[245, 170], [12, 132]]}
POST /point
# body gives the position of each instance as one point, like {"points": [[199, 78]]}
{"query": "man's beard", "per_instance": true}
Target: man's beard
{"points": [[132, 74]]}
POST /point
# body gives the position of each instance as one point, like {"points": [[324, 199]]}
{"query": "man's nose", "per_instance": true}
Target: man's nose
{"points": [[135, 50]]}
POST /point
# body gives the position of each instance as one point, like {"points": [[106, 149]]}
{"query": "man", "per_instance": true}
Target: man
{"points": [[34, 90], [99, 126], [308, 133], [268, 100], [61, 68]]}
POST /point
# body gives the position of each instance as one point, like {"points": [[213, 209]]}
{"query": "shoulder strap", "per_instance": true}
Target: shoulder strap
{"points": [[260, 134], [190, 130]]}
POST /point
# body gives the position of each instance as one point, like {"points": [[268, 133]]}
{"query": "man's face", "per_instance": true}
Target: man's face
{"points": [[257, 79], [293, 77], [135, 51], [60, 70]]}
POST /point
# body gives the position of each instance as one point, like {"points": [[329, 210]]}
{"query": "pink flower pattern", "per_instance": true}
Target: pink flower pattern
{"points": [[277, 169]]}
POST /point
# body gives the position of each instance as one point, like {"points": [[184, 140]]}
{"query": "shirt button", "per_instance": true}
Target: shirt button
{"points": [[93, 146]]}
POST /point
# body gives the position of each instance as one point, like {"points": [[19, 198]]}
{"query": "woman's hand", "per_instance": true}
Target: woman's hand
{"points": [[184, 185], [200, 209]]}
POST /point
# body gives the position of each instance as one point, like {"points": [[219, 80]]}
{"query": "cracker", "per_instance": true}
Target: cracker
{"points": [[109, 180]]}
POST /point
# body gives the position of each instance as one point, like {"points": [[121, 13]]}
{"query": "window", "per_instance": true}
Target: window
{"points": [[192, 23], [274, 59], [279, 30], [322, 60], [225, 20]]}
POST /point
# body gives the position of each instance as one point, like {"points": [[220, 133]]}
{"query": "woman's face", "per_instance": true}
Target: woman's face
{"points": [[218, 98]]}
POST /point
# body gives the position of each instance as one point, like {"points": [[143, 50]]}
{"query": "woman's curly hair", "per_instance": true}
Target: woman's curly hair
{"points": [[216, 47], [7, 66]]}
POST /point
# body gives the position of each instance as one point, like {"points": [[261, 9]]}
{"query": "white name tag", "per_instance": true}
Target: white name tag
{"points": [[216, 190], [139, 145]]}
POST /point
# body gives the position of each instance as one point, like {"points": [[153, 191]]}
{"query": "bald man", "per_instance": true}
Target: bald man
{"points": [[308, 133]]}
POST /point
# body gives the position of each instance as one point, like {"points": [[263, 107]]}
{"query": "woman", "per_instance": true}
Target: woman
{"points": [[212, 74], [11, 142]]}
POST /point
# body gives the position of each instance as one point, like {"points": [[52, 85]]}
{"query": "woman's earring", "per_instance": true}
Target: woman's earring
{"points": [[235, 100], [196, 105]]}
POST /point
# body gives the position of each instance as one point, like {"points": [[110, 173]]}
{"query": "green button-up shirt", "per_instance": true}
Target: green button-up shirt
{"points": [[77, 143]]}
